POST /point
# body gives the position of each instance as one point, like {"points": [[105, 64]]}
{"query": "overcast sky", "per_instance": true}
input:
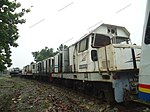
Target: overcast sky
{"points": [[52, 22]]}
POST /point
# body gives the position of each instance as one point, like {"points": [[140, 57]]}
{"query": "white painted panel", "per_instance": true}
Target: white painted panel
{"points": [[56, 63]]}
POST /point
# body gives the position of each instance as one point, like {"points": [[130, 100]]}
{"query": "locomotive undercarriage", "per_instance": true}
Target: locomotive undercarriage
{"points": [[118, 88], [100, 90]]}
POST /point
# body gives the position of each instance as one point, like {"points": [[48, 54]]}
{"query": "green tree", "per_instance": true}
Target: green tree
{"points": [[46, 53], [9, 19], [43, 54]]}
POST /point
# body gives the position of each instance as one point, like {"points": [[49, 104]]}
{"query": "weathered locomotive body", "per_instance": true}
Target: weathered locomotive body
{"points": [[103, 60], [144, 73]]}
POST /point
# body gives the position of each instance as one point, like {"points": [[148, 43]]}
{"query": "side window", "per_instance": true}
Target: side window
{"points": [[46, 63], [53, 65], [33, 66], [39, 66], [94, 55], [83, 44], [147, 34], [49, 62]]}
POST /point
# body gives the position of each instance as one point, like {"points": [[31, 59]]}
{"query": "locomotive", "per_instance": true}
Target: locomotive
{"points": [[103, 62], [144, 72]]}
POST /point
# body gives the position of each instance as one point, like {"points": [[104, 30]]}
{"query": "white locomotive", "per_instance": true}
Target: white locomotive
{"points": [[102, 62], [144, 73]]}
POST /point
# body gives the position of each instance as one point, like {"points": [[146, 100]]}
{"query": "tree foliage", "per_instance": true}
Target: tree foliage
{"points": [[9, 19], [46, 53], [43, 54]]}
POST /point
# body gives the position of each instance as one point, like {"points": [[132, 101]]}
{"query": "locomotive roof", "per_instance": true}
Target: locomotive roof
{"points": [[107, 25]]}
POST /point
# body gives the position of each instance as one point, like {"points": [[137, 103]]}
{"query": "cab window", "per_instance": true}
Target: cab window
{"points": [[100, 41], [147, 33], [83, 44]]}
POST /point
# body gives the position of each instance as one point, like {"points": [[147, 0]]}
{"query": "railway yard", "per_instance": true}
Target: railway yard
{"points": [[23, 95], [101, 72]]}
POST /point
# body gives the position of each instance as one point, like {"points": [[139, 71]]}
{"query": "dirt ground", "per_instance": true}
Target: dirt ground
{"points": [[23, 95]]}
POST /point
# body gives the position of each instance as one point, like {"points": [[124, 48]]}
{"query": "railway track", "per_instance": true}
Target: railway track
{"points": [[129, 106], [133, 106]]}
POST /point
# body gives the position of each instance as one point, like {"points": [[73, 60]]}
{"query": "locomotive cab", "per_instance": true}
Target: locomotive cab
{"points": [[118, 59], [107, 56]]}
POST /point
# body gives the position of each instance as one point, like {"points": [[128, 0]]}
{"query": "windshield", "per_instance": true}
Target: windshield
{"points": [[100, 40], [119, 40]]}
